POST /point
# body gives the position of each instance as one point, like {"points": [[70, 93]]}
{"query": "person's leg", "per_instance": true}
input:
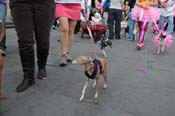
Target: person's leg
{"points": [[170, 25], [3, 12], [131, 24], [22, 13], [118, 18], [77, 27], [111, 23], [64, 31], [43, 18], [161, 22], [142, 29], [72, 25]]}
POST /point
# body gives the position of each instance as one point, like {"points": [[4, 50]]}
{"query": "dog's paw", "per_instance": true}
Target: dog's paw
{"points": [[96, 95], [81, 98], [158, 52], [105, 86]]}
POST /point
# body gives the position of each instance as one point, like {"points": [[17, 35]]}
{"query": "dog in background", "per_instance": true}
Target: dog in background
{"points": [[93, 69], [2, 31], [104, 43]]}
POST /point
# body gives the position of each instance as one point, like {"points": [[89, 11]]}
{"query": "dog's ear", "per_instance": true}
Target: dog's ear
{"points": [[89, 58]]}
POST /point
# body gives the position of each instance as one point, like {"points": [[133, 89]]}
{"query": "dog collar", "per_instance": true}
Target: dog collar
{"points": [[97, 65]]}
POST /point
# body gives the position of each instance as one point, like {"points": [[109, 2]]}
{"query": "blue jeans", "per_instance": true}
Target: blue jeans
{"points": [[131, 24], [3, 12], [170, 23]]}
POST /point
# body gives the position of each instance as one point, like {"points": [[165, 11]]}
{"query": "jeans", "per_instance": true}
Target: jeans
{"points": [[115, 16], [3, 12], [131, 24], [170, 27]]}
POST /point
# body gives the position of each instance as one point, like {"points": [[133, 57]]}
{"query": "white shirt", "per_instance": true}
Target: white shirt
{"points": [[168, 11], [116, 4], [68, 1]]}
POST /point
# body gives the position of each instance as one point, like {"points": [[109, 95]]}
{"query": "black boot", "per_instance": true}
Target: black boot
{"points": [[42, 74], [27, 59], [26, 83], [42, 59]]}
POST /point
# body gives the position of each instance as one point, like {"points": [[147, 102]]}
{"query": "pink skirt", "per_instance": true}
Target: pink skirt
{"points": [[150, 14], [71, 11]]}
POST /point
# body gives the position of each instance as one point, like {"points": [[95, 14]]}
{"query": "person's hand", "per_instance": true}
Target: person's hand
{"points": [[82, 10]]}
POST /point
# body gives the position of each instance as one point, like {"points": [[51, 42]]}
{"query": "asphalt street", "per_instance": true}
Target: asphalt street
{"points": [[140, 83]]}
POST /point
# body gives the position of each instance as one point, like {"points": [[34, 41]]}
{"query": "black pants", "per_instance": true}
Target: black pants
{"points": [[33, 20], [114, 18], [77, 27]]}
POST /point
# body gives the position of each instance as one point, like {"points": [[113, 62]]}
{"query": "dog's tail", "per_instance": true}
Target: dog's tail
{"points": [[2, 30], [169, 40]]}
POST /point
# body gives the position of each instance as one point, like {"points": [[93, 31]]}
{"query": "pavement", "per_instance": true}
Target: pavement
{"points": [[140, 83]]}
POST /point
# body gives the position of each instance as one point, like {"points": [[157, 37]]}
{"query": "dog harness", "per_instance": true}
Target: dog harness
{"points": [[97, 65]]}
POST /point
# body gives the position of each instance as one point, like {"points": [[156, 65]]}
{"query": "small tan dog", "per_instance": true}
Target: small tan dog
{"points": [[2, 31], [93, 69]]}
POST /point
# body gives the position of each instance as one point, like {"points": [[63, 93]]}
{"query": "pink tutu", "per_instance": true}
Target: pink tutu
{"points": [[151, 14], [71, 11], [174, 12], [169, 40]]}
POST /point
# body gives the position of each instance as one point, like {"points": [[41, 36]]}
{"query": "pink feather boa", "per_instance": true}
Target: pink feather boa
{"points": [[168, 40]]}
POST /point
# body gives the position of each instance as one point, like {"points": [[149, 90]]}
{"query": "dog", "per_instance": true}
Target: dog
{"points": [[161, 44], [162, 41], [93, 69], [2, 31], [104, 43]]}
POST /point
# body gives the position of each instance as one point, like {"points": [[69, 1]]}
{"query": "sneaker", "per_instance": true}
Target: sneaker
{"points": [[139, 46], [63, 61], [130, 39], [69, 59]]}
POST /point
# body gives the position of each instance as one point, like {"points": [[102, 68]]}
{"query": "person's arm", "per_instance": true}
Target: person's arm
{"points": [[2, 30], [89, 3]]}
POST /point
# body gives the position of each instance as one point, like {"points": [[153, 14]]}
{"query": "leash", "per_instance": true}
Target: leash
{"points": [[90, 32]]}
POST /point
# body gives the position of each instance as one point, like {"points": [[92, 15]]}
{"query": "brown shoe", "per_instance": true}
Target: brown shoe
{"points": [[63, 61]]}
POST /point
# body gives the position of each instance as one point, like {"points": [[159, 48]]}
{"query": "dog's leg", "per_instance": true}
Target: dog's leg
{"points": [[84, 89], [96, 88], [105, 76], [158, 50], [163, 48], [105, 84], [94, 84], [104, 53]]}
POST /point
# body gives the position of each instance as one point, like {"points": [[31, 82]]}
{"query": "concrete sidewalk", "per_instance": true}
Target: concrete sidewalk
{"points": [[140, 83]]}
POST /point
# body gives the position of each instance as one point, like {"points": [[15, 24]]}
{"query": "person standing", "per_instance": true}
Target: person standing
{"points": [[115, 16], [68, 13], [33, 20], [3, 12], [144, 12], [131, 22], [166, 13]]}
